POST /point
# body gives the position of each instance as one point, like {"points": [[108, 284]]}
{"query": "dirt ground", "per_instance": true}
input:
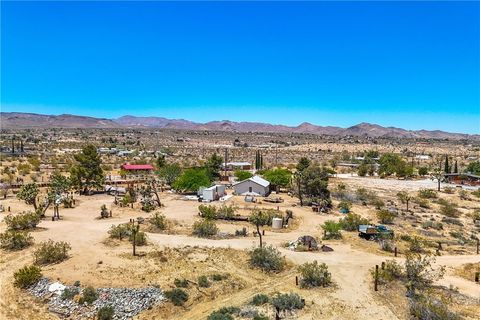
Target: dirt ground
{"points": [[176, 254]]}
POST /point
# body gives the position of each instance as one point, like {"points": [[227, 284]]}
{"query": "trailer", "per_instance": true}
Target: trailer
{"points": [[373, 232]]}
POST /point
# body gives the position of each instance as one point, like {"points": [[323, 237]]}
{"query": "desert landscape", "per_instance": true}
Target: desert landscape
{"points": [[195, 258]]}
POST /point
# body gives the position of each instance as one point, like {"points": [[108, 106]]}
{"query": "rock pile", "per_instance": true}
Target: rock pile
{"points": [[126, 302]]}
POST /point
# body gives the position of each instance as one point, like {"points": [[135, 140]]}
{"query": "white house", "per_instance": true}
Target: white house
{"points": [[252, 186]]}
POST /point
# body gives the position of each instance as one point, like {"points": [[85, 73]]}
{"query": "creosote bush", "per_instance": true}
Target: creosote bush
{"points": [[69, 293], [268, 259], [314, 275], [105, 313], [27, 276], [15, 240], [385, 216], [287, 301], [51, 252], [203, 282], [260, 299], [180, 283], [89, 295], [225, 313], [425, 307], [177, 296], [427, 194], [22, 221], [120, 231], [140, 238], [158, 220], [392, 271], [351, 222], [205, 228]]}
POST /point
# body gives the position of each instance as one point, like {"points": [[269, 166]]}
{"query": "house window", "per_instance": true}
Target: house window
{"points": [[249, 189]]}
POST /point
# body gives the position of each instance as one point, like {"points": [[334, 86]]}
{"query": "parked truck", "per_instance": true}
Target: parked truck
{"points": [[374, 232]]}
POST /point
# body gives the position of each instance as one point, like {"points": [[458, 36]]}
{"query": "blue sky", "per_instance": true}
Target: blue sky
{"points": [[414, 65]]}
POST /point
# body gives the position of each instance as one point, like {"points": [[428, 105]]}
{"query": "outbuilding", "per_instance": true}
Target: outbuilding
{"points": [[255, 185], [212, 193]]}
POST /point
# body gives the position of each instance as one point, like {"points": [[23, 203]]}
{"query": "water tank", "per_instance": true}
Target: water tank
{"points": [[277, 223]]}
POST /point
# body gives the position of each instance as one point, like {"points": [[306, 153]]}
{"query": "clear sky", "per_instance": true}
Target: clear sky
{"points": [[414, 65]]}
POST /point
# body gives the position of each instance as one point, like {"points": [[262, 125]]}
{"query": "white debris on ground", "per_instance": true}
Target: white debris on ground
{"points": [[126, 302]]}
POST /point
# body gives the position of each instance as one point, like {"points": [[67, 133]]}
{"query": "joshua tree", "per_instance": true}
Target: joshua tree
{"points": [[259, 218], [404, 197]]}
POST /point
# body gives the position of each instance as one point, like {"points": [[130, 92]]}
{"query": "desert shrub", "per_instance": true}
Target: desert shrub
{"points": [[177, 296], [69, 293], [158, 220], [476, 193], [226, 212], [432, 225], [332, 230], [422, 203], [464, 195], [260, 299], [207, 212], [89, 295], [427, 194], [218, 277], [268, 259], [352, 220], [241, 233], [51, 252], [287, 301], [104, 212], [345, 206], [454, 221], [148, 204], [120, 231], [385, 216], [314, 275], [449, 190], [140, 238], [180, 283], [205, 228], [428, 308], [449, 209], [419, 273], [203, 282], [27, 276], [391, 271], [368, 197], [105, 313], [416, 244], [225, 313], [22, 221], [15, 240], [386, 245]]}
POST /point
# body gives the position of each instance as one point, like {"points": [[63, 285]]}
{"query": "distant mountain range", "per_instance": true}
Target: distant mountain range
{"points": [[18, 120]]}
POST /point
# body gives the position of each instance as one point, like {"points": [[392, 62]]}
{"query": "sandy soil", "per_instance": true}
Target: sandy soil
{"points": [[96, 263]]}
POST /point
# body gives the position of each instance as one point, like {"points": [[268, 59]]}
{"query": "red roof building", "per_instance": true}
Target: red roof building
{"points": [[135, 167]]}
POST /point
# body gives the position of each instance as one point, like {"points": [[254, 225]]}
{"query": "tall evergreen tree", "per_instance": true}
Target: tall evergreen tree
{"points": [[87, 172], [447, 166], [455, 169]]}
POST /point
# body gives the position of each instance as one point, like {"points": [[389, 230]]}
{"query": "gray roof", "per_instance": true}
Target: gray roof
{"points": [[256, 179]]}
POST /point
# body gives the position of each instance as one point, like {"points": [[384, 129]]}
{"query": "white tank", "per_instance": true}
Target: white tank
{"points": [[277, 223]]}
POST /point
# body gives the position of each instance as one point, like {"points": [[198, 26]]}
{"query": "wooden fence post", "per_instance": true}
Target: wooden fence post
{"points": [[477, 276], [296, 280], [395, 251], [376, 277]]}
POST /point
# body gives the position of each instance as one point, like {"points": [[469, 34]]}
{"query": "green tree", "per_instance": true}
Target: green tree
{"points": [[191, 180], [303, 164], [169, 173], [314, 185], [332, 229], [422, 171], [447, 166], [212, 166], [278, 177], [473, 167], [160, 162], [242, 175], [391, 164], [29, 193], [87, 172]]}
